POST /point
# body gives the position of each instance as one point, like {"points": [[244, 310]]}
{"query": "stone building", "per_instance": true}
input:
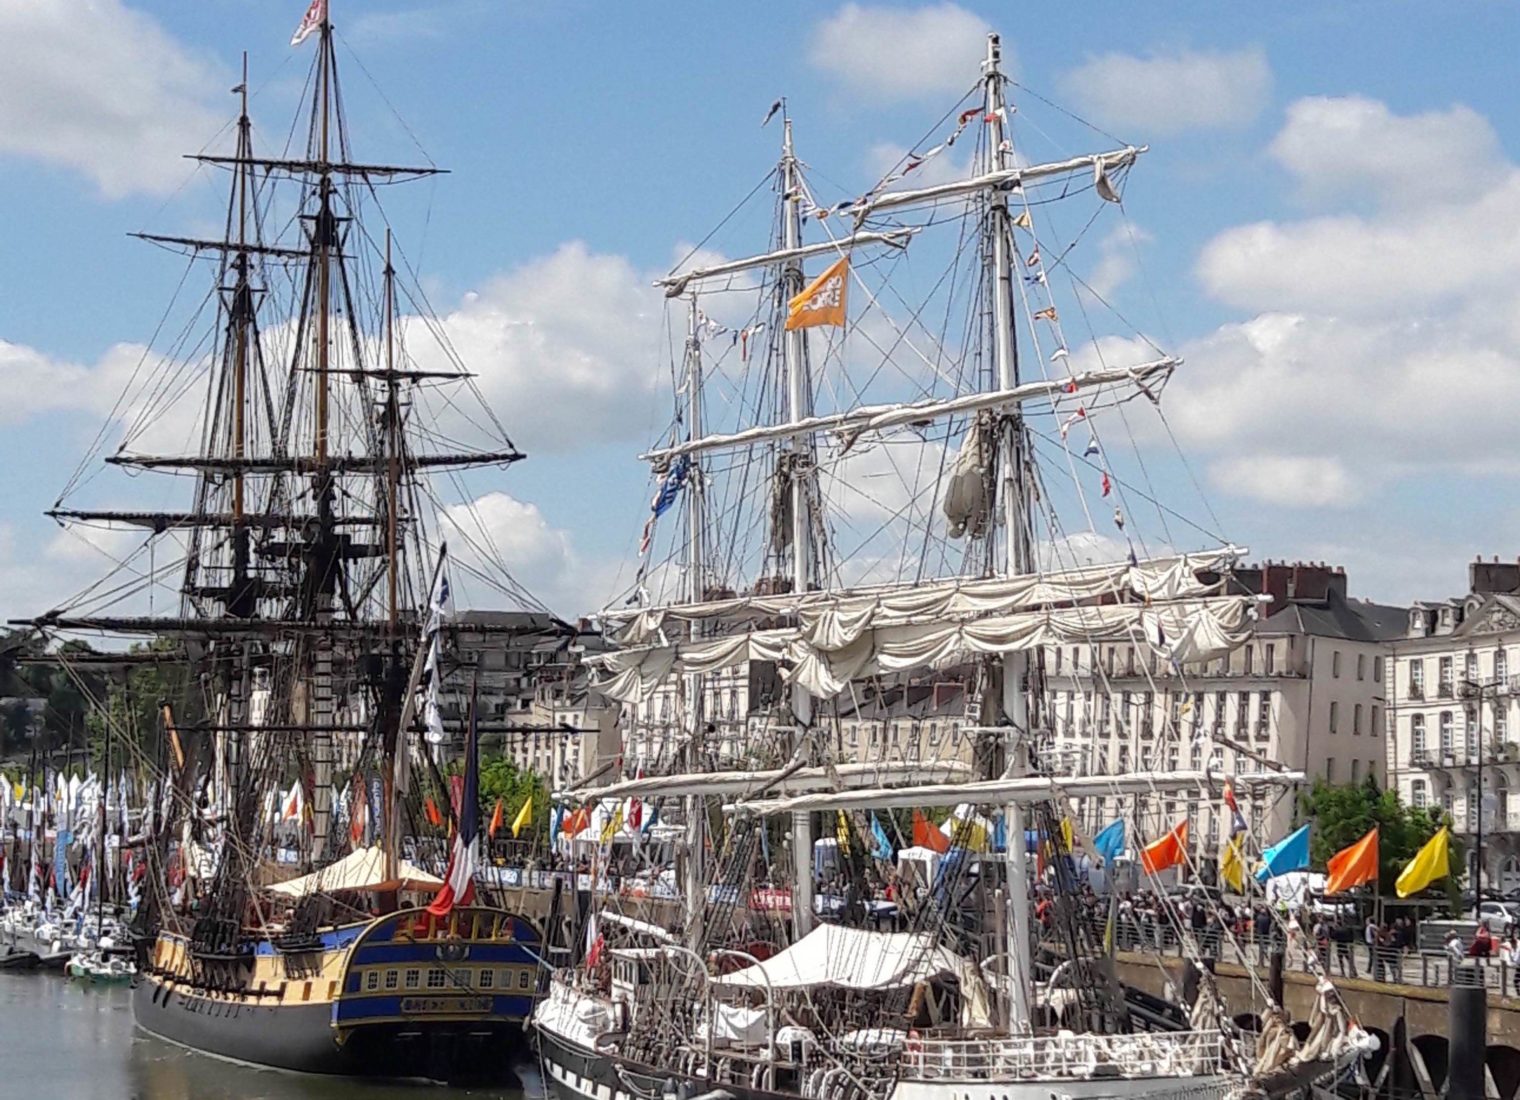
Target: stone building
{"points": [[1455, 744]]}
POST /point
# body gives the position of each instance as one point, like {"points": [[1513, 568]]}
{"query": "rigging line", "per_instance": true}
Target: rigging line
{"points": [[357, 60], [770, 175]]}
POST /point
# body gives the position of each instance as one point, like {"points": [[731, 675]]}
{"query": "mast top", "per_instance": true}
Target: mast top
{"points": [[993, 65]]}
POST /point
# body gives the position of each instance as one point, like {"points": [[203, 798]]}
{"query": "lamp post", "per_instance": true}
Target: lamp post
{"points": [[1473, 689]]}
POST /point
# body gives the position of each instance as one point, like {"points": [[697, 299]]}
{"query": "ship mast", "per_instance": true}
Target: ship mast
{"points": [[1018, 559], [794, 368], [696, 807]]}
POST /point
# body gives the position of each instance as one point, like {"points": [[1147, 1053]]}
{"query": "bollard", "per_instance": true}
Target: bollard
{"points": [[1467, 1032]]}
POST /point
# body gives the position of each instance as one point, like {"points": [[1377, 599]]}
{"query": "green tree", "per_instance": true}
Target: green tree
{"points": [[501, 778], [1343, 814]]}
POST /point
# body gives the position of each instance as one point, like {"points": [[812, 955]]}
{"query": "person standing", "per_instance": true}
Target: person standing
{"points": [[1374, 941]]}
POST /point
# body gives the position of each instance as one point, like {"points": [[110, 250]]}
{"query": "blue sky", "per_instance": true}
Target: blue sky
{"points": [[1326, 216]]}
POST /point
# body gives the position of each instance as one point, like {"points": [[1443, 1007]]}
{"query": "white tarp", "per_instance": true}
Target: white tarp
{"points": [[360, 870], [823, 656], [851, 958]]}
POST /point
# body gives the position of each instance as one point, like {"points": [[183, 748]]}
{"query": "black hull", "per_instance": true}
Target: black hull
{"points": [[573, 1072], [301, 1038]]}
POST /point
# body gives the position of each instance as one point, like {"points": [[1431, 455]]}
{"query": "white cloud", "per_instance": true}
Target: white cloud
{"points": [[1169, 93], [1286, 480], [565, 347], [497, 531], [902, 52], [1117, 259], [1355, 146], [1378, 344], [104, 90]]}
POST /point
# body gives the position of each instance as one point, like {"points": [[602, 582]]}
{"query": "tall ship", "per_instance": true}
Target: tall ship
{"points": [[892, 478], [296, 907]]}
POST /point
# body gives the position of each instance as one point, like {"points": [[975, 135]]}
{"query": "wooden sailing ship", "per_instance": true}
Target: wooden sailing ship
{"points": [[963, 571], [310, 590]]}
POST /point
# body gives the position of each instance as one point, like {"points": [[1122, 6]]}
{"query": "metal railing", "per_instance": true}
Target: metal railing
{"points": [[1142, 1054]]}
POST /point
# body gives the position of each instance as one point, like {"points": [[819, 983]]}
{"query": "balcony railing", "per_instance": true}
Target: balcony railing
{"points": [[1025, 1057]]}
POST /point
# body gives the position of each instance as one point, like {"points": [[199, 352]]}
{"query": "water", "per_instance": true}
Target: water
{"points": [[70, 1041]]}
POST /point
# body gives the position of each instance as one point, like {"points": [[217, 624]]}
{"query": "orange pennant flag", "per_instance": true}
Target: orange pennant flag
{"points": [[821, 302], [1354, 865], [1169, 851], [495, 821], [925, 835], [430, 808]]}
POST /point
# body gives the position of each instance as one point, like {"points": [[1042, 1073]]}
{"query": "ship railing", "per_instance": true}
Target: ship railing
{"points": [[1035, 1057]]}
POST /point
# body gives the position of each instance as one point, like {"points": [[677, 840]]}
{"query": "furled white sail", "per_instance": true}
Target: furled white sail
{"points": [[825, 652]]}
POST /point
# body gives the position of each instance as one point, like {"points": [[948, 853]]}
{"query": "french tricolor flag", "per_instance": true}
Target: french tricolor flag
{"points": [[459, 880]]}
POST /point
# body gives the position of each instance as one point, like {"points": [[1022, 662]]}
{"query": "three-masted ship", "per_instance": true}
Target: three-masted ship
{"points": [[310, 581], [872, 500]]}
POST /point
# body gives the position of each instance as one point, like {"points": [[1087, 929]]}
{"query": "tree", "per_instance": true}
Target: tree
{"points": [[1343, 814], [501, 778]]}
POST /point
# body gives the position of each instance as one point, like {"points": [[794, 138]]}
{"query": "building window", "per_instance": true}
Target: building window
{"points": [[1501, 665], [1330, 766], [1129, 661], [1250, 659], [523, 978], [413, 979], [1335, 663], [1269, 656], [1501, 724], [1419, 795], [1356, 771], [487, 978], [1470, 669], [1356, 719], [392, 979], [1417, 679], [1447, 678], [1335, 716], [1473, 734], [1446, 733], [372, 981], [1377, 670], [1376, 726]]}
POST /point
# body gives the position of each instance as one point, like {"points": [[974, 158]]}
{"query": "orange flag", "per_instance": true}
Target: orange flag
{"points": [[821, 302], [430, 808], [576, 823], [925, 835], [1354, 865], [1169, 851], [495, 821]]}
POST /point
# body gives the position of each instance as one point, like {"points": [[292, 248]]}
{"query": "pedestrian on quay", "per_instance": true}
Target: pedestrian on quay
{"points": [[1344, 936], [1264, 932], [1509, 955], [1372, 936]]}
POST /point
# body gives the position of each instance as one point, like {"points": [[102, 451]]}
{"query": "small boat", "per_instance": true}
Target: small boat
{"points": [[100, 967]]}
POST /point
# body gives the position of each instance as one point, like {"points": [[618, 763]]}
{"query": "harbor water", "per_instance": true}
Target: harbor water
{"points": [[66, 1040]]}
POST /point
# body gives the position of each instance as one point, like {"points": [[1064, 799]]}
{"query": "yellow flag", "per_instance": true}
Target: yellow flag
{"points": [[524, 817], [614, 823], [821, 301], [842, 831], [1432, 862], [1232, 867]]}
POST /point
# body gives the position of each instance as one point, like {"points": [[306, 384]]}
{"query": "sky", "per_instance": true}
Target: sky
{"points": [[1326, 230]]}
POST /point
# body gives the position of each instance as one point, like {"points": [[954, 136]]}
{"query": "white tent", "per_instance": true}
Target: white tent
{"points": [[851, 958], [360, 870]]}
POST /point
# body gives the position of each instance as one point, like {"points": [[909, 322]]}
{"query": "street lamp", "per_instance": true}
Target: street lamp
{"points": [[1473, 689]]}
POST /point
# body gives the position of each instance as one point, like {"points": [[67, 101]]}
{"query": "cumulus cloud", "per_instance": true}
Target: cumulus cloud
{"points": [[1366, 327], [902, 52], [102, 89], [564, 347], [1352, 146], [1169, 93]]}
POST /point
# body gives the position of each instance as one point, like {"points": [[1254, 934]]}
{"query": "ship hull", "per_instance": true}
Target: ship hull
{"points": [[397, 998]]}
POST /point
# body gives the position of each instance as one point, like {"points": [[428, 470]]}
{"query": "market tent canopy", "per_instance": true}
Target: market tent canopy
{"points": [[360, 870], [853, 958]]}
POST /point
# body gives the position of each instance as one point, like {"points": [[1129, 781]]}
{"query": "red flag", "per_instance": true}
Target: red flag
{"points": [[495, 820], [358, 811], [925, 835], [1108, 486], [430, 809], [315, 16], [459, 880], [1169, 851], [576, 823], [635, 814]]}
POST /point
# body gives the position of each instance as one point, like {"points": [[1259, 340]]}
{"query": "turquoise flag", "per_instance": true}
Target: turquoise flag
{"points": [[1291, 853], [883, 843], [1110, 842]]}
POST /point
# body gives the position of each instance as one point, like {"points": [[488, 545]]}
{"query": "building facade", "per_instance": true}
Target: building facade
{"points": [[1455, 704], [1307, 692]]}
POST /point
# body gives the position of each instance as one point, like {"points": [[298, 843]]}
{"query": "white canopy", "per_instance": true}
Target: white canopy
{"points": [[852, 958], [363, 869]]}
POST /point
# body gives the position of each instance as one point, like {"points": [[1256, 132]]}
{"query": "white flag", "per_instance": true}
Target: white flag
{"points": [[441, 599], [315, 16]]}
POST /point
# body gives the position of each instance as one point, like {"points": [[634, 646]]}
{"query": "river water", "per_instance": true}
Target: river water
{"points": [[73, 1041]]}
